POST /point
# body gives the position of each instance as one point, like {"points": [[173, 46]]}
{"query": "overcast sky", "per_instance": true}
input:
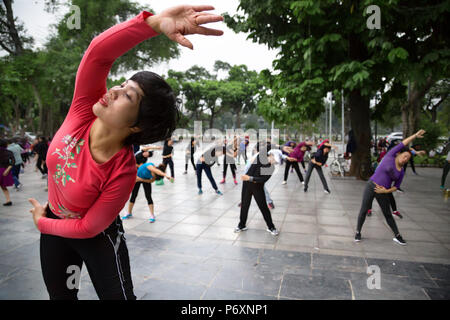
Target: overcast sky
{"points": [[231, 47]]}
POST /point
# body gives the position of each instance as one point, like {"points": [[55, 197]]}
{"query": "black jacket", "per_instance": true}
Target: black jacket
{"points": [[260, 172]]}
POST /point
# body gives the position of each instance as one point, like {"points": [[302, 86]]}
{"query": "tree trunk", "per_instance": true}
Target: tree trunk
{"points": [[211, 119], [17, 117], [411, 109], [360, 123], [238, 118], [37, 96]]}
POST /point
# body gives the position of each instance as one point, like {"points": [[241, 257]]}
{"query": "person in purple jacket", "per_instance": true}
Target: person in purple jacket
{"points": [[298, 153], [380, 186]]}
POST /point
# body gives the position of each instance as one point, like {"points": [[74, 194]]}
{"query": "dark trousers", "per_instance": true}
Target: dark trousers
{"points": [[296, 168], [15, 173], [147, 190], [383, 201], [230, 162], [204, 167], [312, 166], [445, 172], [192, 161], [391, 201], [256, 190], [41, 165], [411, 161], [169, 161], [105, 256]]}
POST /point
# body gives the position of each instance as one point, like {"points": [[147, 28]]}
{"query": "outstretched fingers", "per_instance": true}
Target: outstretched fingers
{"points": [[208, 31], [200, 8], [182, 40], [203, 18]]}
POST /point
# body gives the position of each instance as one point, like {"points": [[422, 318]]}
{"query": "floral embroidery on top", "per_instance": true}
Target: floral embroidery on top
{"points": [[66, 154]]}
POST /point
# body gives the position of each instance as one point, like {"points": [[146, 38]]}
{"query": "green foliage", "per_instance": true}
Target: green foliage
{"points": [[49, 74], [433, 132]]}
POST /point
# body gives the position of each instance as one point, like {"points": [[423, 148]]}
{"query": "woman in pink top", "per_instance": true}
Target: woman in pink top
{"points": [[90, 160]]}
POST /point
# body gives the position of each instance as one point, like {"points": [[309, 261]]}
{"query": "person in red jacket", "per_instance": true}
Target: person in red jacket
{"points": [[91, 165]]}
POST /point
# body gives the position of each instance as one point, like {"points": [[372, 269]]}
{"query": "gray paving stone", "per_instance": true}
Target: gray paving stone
{"points": [[315, 287]]}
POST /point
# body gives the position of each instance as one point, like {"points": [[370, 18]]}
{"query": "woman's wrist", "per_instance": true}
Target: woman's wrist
{"points": [[153, 22]]}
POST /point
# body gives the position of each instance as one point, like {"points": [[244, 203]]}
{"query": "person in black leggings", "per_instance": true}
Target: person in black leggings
{"points": [[41, 150], [167, 155], [317, 161], [380, 183], [190, 150], [257, 175]]}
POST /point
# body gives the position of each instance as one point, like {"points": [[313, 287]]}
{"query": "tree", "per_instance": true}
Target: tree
{"points": [[327, 45], [52, 88]]}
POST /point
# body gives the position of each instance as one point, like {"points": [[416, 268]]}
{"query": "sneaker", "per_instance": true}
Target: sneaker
{"points": [[239, 205], [396, 213], [200, 191], [398, 239], [185, 172], [219, 193], [369, 212], [273, 231], [305, 189], [358, 237], [7, 204], [222, 182], [19, 187], [238, 229], [44, 176], [271, 206], [400, 190], [235, 182], [327, 191], [442, 187], [127, 216], [303, 182], [284, 182], [151, 220]]}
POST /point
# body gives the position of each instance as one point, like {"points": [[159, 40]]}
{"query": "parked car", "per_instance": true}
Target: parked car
{"points": [[394, 136], [30, 136]]}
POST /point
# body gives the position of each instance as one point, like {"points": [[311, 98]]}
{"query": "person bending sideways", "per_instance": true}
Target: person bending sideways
{"points": [[391, 170], [91, 164], [318, 160], [253, 187]]}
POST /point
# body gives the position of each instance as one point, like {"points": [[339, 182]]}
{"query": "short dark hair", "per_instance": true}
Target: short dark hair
{"points": [[405, 149], [158, 110]]}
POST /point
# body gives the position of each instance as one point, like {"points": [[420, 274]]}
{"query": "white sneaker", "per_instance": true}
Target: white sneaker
{"points": [[273, 231], [326, 191], [303, 182], [284, 182]]}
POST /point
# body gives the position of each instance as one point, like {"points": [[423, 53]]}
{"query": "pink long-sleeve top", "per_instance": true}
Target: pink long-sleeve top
{"points": [[85, 195], [297, 153]]}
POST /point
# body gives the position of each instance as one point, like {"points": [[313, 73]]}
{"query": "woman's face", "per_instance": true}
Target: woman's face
{"points": [[403, 158], [119, 107]]}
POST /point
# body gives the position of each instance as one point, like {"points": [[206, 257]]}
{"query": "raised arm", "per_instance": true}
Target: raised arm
{"points": [[90, 83], [175, 23], [418, 134]]}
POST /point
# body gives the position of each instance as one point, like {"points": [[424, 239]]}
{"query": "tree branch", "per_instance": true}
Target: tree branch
{"points": [[6, 48]]}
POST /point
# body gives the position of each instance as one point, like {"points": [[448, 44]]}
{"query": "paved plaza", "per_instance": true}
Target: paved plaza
{"points": [[191, 251]]}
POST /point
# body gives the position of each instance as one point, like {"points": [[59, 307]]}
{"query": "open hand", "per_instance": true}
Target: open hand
{"points": [[420, 133], [176, 22]]}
